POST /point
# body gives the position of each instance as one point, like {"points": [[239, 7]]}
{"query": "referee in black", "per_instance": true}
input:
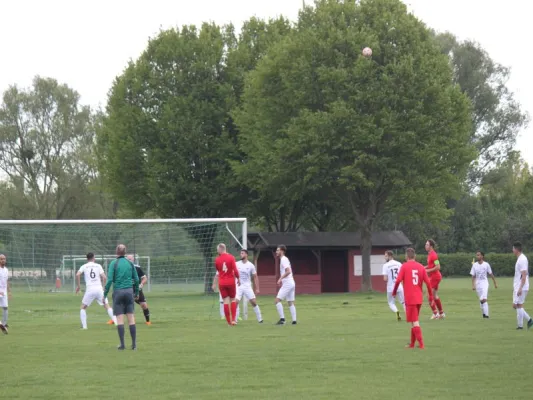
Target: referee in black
{"points": [[142, 279], [121, 273]]}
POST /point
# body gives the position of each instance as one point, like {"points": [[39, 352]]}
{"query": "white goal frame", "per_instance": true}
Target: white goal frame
{"points": [[69, 262], [243, 243]]}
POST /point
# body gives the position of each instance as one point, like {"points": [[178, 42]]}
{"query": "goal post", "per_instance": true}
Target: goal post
{"points": [[177, 255]]}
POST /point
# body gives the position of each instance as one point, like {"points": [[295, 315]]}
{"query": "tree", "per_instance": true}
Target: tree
{"points": [[390, 133], [497, 117]]}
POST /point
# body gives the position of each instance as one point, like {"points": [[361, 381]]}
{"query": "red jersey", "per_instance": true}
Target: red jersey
{"points": [[433, 260], [412, 275], [227, 269]]}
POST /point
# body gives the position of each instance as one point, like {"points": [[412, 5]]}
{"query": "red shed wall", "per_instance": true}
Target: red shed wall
{"points": [[376, 260]]}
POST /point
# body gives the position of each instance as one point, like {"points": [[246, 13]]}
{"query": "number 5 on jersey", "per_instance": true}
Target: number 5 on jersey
{"points": [[415, 277], [224, 267]]}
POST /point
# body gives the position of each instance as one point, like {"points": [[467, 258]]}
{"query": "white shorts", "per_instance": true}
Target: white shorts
{"points": [[482, 290], [287, 292], [519, 299], [3, 300], [92, 295], [399, 297], [246, 291]]}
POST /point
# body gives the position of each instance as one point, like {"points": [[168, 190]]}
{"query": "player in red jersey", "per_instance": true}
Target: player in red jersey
{"points": [[433, 270], [412, 275], [227, 273]]}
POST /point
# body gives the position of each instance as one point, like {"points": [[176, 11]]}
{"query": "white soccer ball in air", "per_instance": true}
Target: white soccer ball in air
{"points": [[367, 51]]}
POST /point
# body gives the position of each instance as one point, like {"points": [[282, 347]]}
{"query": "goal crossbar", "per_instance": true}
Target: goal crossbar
{"points": [[116, 221]]}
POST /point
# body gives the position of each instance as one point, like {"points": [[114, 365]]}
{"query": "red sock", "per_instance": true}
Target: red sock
{"points": [[433, 307], [439, 305], [234, 310], [226, 313], [413, 337], [418, 335]]}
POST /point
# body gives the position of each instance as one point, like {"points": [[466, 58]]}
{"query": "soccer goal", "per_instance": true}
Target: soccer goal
{"points": [[177, 255]]}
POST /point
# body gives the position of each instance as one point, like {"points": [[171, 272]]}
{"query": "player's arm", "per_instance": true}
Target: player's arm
{"points": [[523, 277], [215, 282], [103, 278], [256, 282], [435, 268], [473, 273], [110, 281], [78, 281], [399, 279], [385, 274], [236, 272], [136, 281], [144, 278]]}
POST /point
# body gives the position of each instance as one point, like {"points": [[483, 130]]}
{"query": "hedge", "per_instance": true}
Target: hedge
{"points": [[176, 267], [459, 264]]}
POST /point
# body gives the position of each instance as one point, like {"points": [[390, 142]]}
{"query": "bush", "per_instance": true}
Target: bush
{"points": [[459, 264]]}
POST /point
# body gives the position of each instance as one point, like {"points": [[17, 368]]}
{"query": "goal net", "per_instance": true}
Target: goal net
{"points": [[176, 254]]}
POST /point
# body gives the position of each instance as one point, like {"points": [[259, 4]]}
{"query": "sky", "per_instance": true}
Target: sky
{"points": [[86, 44]]}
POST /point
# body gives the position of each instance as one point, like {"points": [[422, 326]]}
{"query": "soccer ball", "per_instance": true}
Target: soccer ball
{"points": [[367, 51]]}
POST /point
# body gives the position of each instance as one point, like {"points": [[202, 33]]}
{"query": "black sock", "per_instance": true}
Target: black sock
{"points": [[120, 329], [133, 333], [147, 314]]}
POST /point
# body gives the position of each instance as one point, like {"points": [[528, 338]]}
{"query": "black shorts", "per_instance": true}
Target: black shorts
{"points": [[123, 302], [141, 298]]}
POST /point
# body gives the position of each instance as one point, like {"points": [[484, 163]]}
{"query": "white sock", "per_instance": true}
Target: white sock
{"points": [[482, 307], [519, 318], [257, 312], [279, 307], [292, 309], [486, 309], [83, 317], [393, 307], [4, 316], [525, 315], [110, 313], [404, 309], [238, 310], [222, 310]]}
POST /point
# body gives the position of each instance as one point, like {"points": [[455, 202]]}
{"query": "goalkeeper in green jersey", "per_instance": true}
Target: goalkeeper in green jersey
{"points": [[121, 273]]}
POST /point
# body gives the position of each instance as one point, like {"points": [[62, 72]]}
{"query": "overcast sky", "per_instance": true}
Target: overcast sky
{"points": [[87, 43]]}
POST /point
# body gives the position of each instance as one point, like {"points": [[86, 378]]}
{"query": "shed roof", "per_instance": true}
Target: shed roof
{"points": [[390, 239]]}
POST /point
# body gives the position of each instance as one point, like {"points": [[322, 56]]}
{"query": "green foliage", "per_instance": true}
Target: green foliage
{"points": [[387, 133], [459, 264]]}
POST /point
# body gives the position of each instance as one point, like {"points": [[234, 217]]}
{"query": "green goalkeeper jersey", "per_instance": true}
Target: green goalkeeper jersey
{"points": [[121, 274]]}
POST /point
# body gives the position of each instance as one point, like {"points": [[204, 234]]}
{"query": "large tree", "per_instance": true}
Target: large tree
{"points": [[391, 132]]}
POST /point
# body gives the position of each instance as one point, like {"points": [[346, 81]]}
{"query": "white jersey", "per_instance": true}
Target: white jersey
{"points": [[481, 272], [3, 279], [91, 272], [391, 269], [246, 270], [521, 265], [284, 263]]}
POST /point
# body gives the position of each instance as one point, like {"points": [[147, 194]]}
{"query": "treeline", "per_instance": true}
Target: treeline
{"points": [[286, 123]]}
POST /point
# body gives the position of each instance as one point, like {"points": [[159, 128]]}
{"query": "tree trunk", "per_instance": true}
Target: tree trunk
{"points": [[366, 251]]}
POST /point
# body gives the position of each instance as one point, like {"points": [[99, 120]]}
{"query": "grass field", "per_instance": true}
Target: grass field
{"points": [[337, 351]]}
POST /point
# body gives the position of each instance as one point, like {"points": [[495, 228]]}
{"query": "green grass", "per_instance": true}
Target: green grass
{"points": [[338, 351]]}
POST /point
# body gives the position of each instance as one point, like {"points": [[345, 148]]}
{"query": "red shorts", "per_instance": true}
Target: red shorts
{"points": [[434, 282], [412, 311], [228, 291]]}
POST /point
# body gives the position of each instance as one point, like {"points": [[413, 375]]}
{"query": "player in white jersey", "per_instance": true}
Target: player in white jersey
{"points": [[480, 283], [391, 268], [287, 291], [247, 272], [5, 293], [95, 280], [521, 286]]}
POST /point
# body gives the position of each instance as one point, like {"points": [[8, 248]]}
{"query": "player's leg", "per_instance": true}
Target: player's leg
{"points": [[523, 313], [87, 300], [435, 290], [98, 297], [401, 298], [482, 291], [282, 294], [224, 293], [438, 303], [221, 308], [413, 312], [232, 292], [291, 296], [249, 293], [130, 313], [392, 302], [119, 309], [144, 306], [4, 305]]}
